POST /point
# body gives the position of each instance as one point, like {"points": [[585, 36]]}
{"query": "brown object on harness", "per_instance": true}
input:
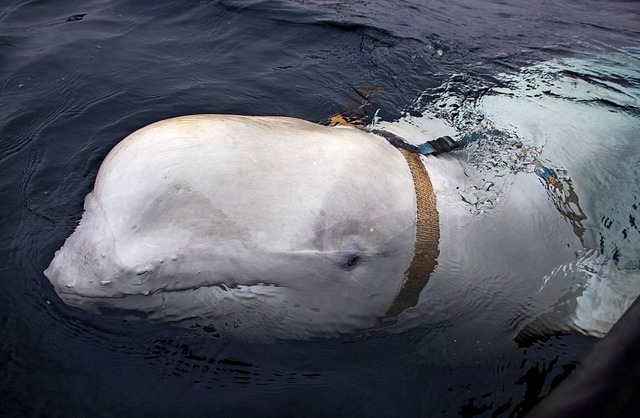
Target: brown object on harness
{"points": [[425, 251]]}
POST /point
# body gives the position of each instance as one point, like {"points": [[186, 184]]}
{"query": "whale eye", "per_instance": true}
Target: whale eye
{"points": [[351, 261], [350, 257]]}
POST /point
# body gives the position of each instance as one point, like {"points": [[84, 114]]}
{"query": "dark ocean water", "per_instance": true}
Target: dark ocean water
{"points": [[77, 77]]}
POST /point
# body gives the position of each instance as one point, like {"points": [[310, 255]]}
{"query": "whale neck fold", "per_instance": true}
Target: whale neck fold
{"points": [[425, 251]]}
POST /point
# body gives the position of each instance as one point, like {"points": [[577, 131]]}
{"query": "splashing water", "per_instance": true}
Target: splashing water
{"points": [[573, 123]]}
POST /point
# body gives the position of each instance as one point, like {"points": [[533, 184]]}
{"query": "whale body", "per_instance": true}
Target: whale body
{"points": [[274, 227], [258, 224]]}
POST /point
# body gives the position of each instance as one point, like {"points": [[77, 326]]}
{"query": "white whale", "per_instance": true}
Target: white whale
{"points": [[273, 227], [259, 224]]}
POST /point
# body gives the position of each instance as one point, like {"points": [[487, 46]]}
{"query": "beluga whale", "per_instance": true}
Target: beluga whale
{"points": [[271, 228], [255, 225]]}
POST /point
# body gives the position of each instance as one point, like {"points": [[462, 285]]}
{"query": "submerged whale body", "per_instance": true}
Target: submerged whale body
{"points": [[255, 224]]}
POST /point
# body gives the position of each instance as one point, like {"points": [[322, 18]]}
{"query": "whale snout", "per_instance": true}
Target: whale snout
{"points": [[73, 276], [85, 267]]}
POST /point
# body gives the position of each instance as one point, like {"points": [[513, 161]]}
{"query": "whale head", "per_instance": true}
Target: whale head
{"points": [[254, 225]]}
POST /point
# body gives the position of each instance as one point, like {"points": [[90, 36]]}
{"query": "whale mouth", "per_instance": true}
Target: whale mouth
{"points": [[65, 294], [169, 305]]}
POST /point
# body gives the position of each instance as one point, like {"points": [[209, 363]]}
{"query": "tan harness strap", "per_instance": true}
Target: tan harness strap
{"points": [[425, 251]]}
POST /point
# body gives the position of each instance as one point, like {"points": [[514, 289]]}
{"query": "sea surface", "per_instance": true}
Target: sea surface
{"points": [[560, 79]]}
